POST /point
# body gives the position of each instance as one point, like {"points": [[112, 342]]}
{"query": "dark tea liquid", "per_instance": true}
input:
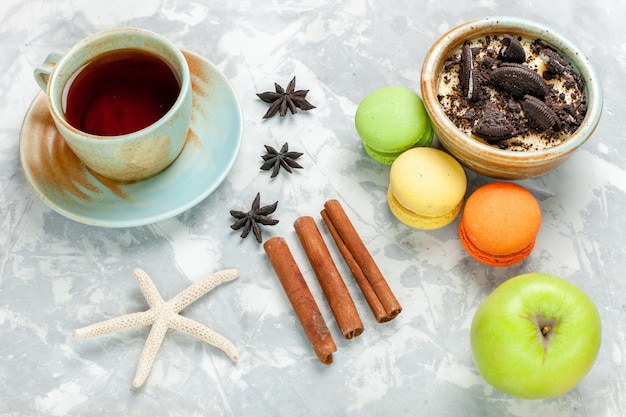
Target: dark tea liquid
{"points": [[120, 92]]}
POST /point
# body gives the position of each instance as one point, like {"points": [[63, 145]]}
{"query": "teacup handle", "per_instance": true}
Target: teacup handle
{"points": [[43, 71]]}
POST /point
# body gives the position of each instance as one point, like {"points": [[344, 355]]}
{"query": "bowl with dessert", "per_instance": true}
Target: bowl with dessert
{"points": [[508, 97]]}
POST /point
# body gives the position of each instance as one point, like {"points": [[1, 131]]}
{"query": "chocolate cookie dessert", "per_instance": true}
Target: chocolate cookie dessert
{"points": [[513, 93]]}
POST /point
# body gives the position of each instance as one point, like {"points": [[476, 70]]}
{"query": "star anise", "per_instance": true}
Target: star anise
{"points": [[275, 159], [282, 100], [251, 220]]}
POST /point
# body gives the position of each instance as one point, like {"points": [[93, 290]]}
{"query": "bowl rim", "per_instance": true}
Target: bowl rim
{"points": [[453, 39]]}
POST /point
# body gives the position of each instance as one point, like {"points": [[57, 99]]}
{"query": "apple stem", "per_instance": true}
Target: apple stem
{"points": [[545, 327]]}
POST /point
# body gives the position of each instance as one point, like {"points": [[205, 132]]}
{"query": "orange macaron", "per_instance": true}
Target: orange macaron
{"points": [[499, 224]]}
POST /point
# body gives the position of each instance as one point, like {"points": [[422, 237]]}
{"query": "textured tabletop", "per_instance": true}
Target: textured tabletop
{"points": [[57, 274]]}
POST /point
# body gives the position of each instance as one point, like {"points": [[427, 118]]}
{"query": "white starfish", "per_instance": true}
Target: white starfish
{"points": [[164, 315]]}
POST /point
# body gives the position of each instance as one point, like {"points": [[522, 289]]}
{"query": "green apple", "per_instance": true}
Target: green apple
{"points": [[535, 336]]}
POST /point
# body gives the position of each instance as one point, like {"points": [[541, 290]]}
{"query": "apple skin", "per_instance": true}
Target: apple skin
{"points": [[508, 345]]}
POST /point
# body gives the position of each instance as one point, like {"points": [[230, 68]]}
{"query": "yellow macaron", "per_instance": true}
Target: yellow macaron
{"points": [[426, 188]]}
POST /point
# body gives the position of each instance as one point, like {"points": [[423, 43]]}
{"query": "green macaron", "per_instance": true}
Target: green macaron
{"points": [[391, 120]]}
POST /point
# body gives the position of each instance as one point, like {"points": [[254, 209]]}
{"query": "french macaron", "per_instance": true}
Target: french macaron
{"points": [[500, 223], [426, 188], [391, 120]]}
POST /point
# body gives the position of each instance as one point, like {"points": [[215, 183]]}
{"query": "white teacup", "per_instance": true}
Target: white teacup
{"points": [[120, 125]]}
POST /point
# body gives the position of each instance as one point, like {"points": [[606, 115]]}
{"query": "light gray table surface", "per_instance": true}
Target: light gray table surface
{"points": [[57, 274]]}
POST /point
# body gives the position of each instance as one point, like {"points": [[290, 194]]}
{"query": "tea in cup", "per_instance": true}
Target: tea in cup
{"points": [[122, 100]]}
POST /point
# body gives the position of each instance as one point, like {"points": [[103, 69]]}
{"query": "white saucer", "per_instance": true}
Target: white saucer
{"points": [[68, 187]]}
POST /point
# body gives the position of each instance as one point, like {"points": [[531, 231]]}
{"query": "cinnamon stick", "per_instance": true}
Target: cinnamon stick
{"points": [[333, 286], [349, 236], [301, 299], [366, 288]]}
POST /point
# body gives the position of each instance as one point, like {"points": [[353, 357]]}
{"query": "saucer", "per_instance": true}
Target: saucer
{"points": [[65, 184]]}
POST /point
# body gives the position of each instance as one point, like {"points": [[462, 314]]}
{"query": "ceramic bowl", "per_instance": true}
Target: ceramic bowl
{"points": [[481, 157]]}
